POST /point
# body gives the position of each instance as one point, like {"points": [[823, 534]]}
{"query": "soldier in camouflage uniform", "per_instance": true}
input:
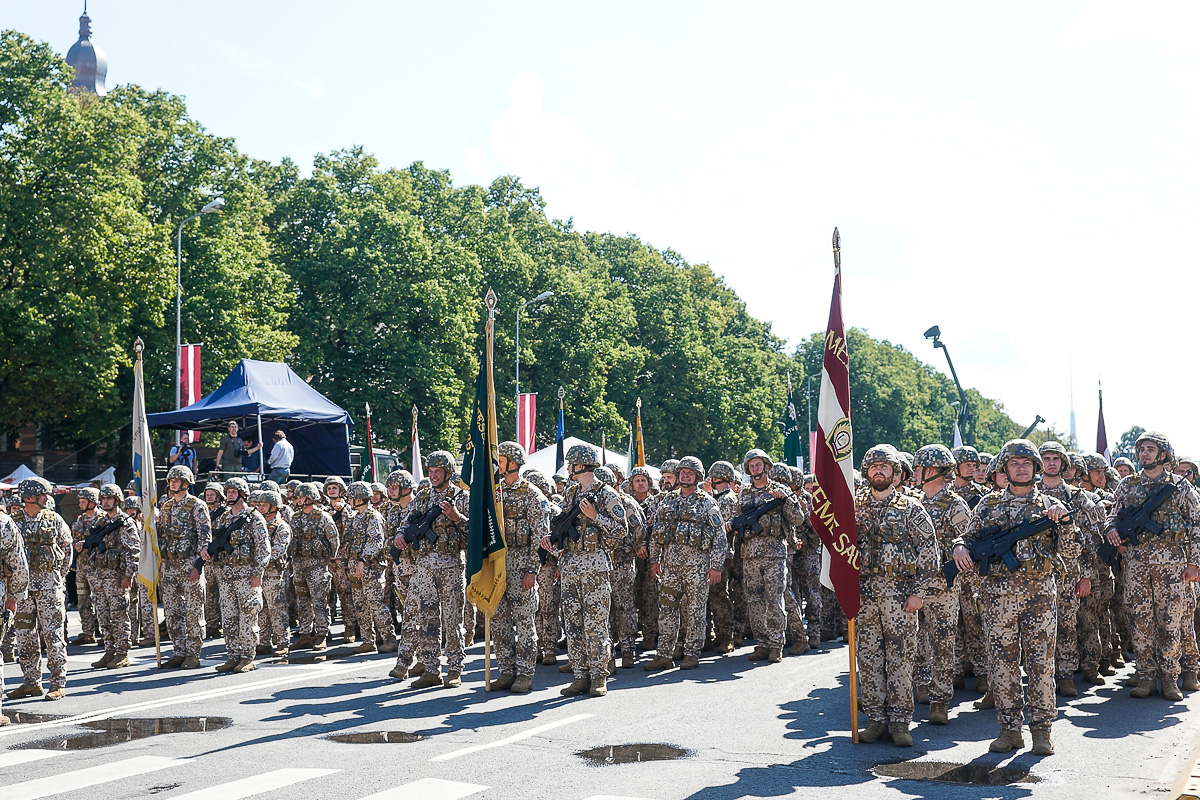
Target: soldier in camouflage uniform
{"points": [[367, 556], [549, 594], [526, 528], [585, 564], [721, 478], [113, 565], [1019, 606], [796, 626], [624, 574], [241, 575], [1189, 662], [14, 578], [274, 632], [314, 541], [141, 612], [89, 501], [1124, 467], [47, 542], [1095, 624], [646, 588], [971, 644], [938, 617], [214, 498], [687, 552], [1157, 568], [807, 562], [335, 490], [764, 555], [1075, 582], [400, 486], [440, 581], [899, 566], [184, 527]]}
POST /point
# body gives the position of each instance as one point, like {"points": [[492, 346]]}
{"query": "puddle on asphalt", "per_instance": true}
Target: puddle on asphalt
{"points": [[114, 731], [632, 753], [948, 772], [376, 737]]}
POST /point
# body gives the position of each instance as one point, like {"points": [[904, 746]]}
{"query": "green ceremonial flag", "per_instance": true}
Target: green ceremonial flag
{"points": [[791, 435], [485, 538]]}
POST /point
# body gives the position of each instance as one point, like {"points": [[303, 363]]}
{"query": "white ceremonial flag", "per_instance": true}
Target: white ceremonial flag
{"points": [[144, 482]]}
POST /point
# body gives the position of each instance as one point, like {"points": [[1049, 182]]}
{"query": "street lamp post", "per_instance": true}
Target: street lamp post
{"points": [[935, 333], [543, 296], [215, 205]]}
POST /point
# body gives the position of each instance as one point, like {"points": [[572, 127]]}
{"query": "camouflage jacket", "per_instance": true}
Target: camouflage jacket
{"points": [[689, 531], [14, 566], [394, 517], [1086, 519], [598, 538], [950, 517], [778, 527], [314, 535], [47, 541], [897, 547], [184, 527], [451, 544], [1039, 555], [122, 547], [637, 527], [1179, 541], [279, 532], [251, 546], [341, 515], [365, 538], [526, 521]]}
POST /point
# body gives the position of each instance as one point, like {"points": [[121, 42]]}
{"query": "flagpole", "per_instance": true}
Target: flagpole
{"points": [[151, 590]]}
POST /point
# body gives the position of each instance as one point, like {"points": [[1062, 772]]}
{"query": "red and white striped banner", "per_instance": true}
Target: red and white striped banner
{"points": [[189, 377], [527, 421]]}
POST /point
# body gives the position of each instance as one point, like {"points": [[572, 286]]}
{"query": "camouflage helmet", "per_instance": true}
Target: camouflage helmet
{"points": [[753, 454], [113, 491], [721, 471], [605, 475], [1166, 453], [779, 473], [443, 459], [182, 473], [906, 464], [513, 451], [1112, 478], [376, 486], [670, 465], [401, 478], [133, 503], [882, 454], [1124, 462], [91, 494], [965, 454], [359, 490], [644, 472], [1056, 447], [986, 458], [32, 487], [293, 484], [308, 491], [692, 463], [268, 486], [266, 496], [238, 483], [1015, 448], [1078, 463], [558, 477], [538, 479], [214, 486], [797, 476], [936, 456], [1093, 461], [131, 486], [334, 480], [583, 454]]}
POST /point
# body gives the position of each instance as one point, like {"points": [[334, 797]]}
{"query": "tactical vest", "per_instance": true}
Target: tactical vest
{"points": [[589, 531], [514, 499], [358, 541], [111, 557], [41, 545], [449, 537], [307, 539], [885, 548], [1039, 554], [272, 526], [773, 523], [688, 524], [1175, 529], [178, 538], [241, 543]]}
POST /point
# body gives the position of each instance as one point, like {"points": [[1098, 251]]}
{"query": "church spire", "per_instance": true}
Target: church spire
{"points": [[88, 60]]}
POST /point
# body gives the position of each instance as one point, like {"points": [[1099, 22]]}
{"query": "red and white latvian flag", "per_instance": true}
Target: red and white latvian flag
{"points": [[189, 377], [527, 421], [833, 458]]}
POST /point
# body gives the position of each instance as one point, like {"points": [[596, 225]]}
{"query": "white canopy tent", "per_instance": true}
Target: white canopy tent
{"points": [[543, 460], [108, 476], [19, 474]]}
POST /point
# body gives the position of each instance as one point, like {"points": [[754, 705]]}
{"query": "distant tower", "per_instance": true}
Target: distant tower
{"points": [[91, 67]]}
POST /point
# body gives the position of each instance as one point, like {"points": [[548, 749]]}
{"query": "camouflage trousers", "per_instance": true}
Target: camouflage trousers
{"points": [[39, 621], [1066, 647], [273, 628], [792, 607], [183, 602], [586, 599], [143, 617], [549, 605], [765, 582], [1092, 621], [624, 609], [374, 619], [720, 607], [406, 601], [737, 595], [112, 609], [514, 632], [1189, 659], [971, 640], [1120, 614], [810, 586], [1156, 601], [345, 593], [645, 592], [83, 597], [887, 647], [1021, 622], [240, 604], [311, 579], [441, 593], [682, 602], [212, 598], [937, 635]]}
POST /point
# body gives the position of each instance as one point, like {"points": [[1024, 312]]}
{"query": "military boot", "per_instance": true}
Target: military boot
{"points": [[1007, 741], [118, 660], [871, 733], [1093, 677], [985, 702], [1066, 687], [281, 651], [211, 633], [302, 641], [1143, 689], [723, 644], [960, 680], [799, 647], [628, 660], [1170, 691], [900, 735], [938, 714], [244, 665], [759, 653], [349, 635], [577, 687], [417, 670], [522, 684], [567, 667], [56, 693], [1118, 661], [365, 647], [678, 652], [775, 655], [453, 679], [427, 680], [1190, 681], [549, 659], [503, 683], [228, 665], [814, 641], [320, 643], [108, 656], [1106, 668], [658, 664], [1132, 680], [399, 672], [25, 690], [923, 695], [190, 662], [173, 662], [981, 684], [599, 687], [4, 720], [1042, 746], [689, 662], [389, 646], [84, 638]]}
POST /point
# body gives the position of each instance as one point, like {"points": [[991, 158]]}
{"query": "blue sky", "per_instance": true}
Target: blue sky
{"points": [[1022, 174]]}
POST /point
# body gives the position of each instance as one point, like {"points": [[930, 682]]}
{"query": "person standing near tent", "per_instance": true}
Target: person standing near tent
{"points": [[184, 528], [242, 567], [230, 449], [366, 571], [280, 461], [400, 485], [314, 542], [48, 546], [335, 491]]}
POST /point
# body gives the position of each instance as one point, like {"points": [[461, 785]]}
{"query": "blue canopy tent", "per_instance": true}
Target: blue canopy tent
{"points": [[265, 396]]}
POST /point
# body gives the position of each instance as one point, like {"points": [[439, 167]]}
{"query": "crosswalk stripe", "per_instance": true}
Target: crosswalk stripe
{"points": [[14, 757], [83, 778], [256, 784], [516, 737], [429, 789]]}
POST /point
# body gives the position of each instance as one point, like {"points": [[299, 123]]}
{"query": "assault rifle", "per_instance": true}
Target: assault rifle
{"points": [[94, 544], [749, 519], [418, 530], [1133, 520], [220, 540], [995, 545], [562, 527]]}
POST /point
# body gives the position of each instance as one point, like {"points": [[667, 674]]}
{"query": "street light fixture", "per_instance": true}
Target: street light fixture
{"points": [[543, 296], [935, 333], [210, 207]]}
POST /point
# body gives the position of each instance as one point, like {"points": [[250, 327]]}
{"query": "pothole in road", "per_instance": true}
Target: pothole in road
{"points": [[114, 731], [376, 737], [949, 772], [632, 753]]}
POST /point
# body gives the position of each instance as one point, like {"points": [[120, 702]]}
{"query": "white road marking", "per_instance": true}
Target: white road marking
{"points": [[516, 737], [83, 778], [13, 758], [613, 797], [178, 699], [429, 789], [257, 784]]}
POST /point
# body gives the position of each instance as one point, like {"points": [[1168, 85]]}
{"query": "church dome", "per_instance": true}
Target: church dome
{"points": [[88, 60]]}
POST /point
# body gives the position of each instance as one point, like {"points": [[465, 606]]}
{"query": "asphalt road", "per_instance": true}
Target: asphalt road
{"points": [[745, 730]]}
